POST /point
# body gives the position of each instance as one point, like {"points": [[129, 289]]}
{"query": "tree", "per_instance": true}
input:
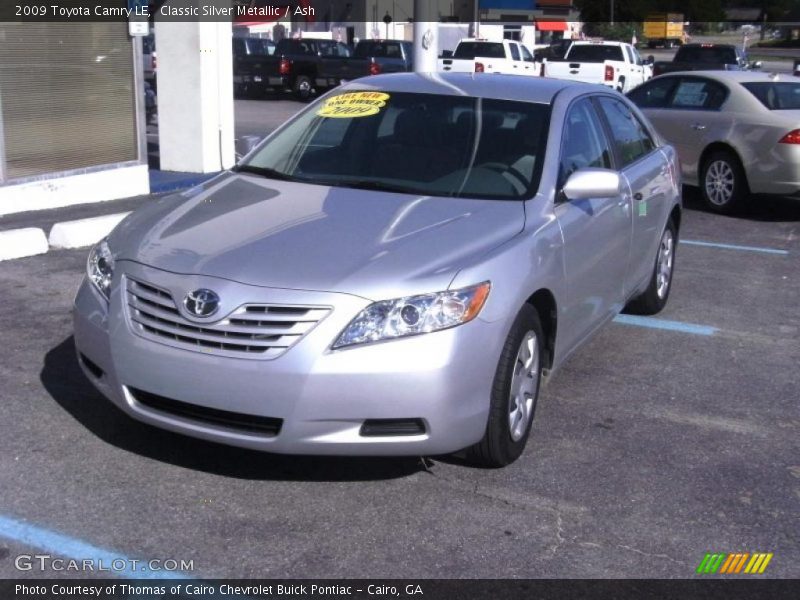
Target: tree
{"points": [[638, 10]]}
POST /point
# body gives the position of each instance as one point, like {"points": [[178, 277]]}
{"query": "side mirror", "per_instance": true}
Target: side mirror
{"points": [[588, 183], [651, 59], [755, 64]]}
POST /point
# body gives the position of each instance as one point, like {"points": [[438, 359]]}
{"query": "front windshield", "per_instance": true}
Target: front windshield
{"points": [[425, 144]]}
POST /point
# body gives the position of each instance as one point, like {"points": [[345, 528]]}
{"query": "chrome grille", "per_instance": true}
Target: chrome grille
{"points": [[252, 331]]}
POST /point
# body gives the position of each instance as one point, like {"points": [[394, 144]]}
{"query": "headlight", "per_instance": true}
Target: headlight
{"points": [[391, 319], [100, 268]]}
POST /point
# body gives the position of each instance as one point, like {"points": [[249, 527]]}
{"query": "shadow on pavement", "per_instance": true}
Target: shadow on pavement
{"points": [[66, 383], [766, 209]]}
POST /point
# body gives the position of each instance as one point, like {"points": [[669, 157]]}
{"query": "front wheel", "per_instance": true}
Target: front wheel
{"points": [[514, 393], [655, 297], [723, 183]]}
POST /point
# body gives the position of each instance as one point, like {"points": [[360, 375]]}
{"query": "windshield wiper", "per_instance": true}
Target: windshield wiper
{"points": [[264, 172], [380, 186]]}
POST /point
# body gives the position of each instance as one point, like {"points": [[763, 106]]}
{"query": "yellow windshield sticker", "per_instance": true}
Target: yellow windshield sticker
{"points": [[353, 105]]}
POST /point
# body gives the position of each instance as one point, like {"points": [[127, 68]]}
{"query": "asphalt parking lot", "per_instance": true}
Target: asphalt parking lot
{"points": [[660, 441]]}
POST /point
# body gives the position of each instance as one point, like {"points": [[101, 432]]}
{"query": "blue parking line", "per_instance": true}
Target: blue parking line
{"points": [[760, 249], [73, 548], [664, 324]]}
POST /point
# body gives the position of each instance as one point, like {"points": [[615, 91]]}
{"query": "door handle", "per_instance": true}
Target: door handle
{"points": [[697, 126]]}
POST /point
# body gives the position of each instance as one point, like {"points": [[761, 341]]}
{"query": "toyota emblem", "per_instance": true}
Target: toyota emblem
{"points": [[201, 303]]}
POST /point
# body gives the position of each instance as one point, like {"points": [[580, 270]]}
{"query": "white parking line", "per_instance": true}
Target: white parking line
{"points": [[736, 247]]}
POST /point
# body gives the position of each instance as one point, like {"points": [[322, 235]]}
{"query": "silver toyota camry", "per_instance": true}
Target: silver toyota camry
{"points": [[392, 272]]}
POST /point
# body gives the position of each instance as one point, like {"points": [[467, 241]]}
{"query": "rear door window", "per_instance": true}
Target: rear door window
{"points": [[696, 93]]}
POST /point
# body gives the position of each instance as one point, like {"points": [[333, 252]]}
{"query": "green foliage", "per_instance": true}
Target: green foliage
{"points": [[635, 11], [619, 32]]}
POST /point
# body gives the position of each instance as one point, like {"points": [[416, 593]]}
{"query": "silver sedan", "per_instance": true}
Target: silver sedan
{"points": [[736, 132], [392, 272]]}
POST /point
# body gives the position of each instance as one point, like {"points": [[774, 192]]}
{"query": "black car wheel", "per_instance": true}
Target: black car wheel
{"points": [[655, 297], [303, 88], [515, 391]]}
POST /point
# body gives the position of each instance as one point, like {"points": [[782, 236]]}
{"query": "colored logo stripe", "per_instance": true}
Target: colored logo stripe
{"points": [[723, 563], [758, 563]]}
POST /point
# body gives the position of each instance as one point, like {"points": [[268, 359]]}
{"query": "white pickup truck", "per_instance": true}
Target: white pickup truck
{"points": [[614, 64], [483, 56]]}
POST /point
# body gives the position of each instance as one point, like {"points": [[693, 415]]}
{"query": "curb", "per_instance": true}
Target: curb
{"points": [[18, 243], [83, 232], [31, 241]]}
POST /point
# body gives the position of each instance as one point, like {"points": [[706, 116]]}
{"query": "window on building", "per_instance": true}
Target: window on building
{"points": [[67, 98]]}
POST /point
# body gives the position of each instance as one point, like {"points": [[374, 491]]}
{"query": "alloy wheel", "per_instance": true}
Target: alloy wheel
{"points": [[666, 256], [719, 183], [524, 386]]}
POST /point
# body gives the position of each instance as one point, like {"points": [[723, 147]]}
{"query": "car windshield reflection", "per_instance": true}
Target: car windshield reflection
{"points": [[450, 146]]}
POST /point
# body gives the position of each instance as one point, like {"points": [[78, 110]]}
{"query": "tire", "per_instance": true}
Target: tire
{"points": [[723, 183], [520, 367], [653, 300], [303, 88]]}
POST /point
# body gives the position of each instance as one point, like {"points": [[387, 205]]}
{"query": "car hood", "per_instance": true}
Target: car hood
{"points": [[295, 236]]}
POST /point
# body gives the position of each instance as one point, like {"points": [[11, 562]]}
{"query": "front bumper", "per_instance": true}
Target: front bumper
{"points": [[322, 397]]}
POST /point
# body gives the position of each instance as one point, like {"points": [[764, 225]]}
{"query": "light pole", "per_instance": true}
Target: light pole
{"points": [[426, 29], [612, 12]]}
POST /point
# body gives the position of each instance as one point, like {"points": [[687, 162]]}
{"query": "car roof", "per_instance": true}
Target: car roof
{"points": [[738, 76], [479, 85], [596, 43], [705, 45]]}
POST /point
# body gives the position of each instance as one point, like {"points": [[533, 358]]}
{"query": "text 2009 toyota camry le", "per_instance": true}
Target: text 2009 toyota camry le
{"points": [[390, 273]]}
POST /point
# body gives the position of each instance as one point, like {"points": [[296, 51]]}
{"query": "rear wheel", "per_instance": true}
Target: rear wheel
{"points": [[655, 297], [723, 183], [514, 393], [303, 88]]}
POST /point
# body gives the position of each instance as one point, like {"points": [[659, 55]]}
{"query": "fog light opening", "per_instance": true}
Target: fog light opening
{"points": [[96, 371], [392, 427]]}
